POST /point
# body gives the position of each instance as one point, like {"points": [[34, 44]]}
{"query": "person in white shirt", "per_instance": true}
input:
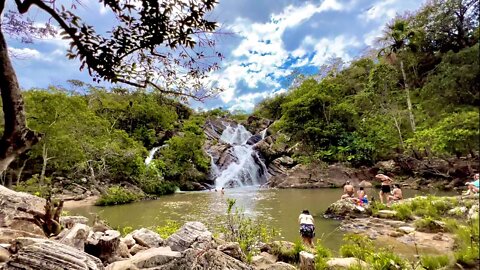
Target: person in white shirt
{"points": [[307, 227]]}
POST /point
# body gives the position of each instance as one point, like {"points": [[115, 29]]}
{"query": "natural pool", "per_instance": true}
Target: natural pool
{"points": [[279, 207]]}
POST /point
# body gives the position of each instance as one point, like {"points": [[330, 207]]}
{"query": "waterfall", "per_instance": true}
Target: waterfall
{"points": [[263, 133], [247, 169], [152, 152]]}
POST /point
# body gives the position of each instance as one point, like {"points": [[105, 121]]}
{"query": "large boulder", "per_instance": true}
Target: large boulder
{"points": [[75, 237], [146, 238], [213, 259], [4, 255], [46, 254], [11, 217], [281, 266], [149, 258], [191, 234], [346, 263], [346, 207], [7, 236]]}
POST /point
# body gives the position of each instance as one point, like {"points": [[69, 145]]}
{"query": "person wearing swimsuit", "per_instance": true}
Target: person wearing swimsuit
{"points": [[385, 188]]}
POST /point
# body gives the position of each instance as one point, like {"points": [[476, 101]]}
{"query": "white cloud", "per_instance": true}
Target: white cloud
{"points": [[380, 10], [260, 57], [24, 53]]}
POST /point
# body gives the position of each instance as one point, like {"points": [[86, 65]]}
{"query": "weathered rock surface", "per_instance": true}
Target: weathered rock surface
{"points": [[136, 249], [154, 257], [53, 256], [387, 213], [103, 245], [7, 236], [10, 202], [281, 266], [4, 255], [146, 238], [69, 221], [191, 234], [307, 261], [346, 207], [233, 250], [263, 260], [345, 263], [75, 237]]}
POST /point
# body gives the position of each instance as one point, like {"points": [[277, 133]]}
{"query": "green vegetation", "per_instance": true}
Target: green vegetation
{"points": [[322, 256], [434, 262], [248, 232], [467, 240], [168, 229], [117, 195], [418, 96], [286, 253]]}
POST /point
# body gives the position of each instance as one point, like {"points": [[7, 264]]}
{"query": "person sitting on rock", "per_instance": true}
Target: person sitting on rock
{"points": [[307, 228], [473, 186], [362, 197], [396, 194], [385, 187], [349, 191]]}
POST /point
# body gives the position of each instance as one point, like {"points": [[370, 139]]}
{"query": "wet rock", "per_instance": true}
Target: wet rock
{"points": [[75, 237], [346, 263], [307, 261], [69, 221], [233, 250], [52, 255], [4, 254], [254, 139], [191, 234], [146, 238]]}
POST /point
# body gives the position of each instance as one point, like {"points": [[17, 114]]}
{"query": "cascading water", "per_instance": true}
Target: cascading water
{"points": [[152, 152], [248, 168]]}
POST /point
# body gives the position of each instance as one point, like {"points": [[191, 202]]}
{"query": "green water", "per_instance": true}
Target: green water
{"points": [[279, 207]]}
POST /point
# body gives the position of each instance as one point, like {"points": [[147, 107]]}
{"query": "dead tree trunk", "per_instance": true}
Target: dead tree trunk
{"points": [[409, 101], [17, 138]]}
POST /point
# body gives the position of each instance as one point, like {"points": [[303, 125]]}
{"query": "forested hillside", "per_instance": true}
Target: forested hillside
{"points": [[416, 95], [93, 136]]}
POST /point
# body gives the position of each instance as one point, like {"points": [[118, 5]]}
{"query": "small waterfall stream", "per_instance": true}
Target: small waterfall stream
{"points": [[248, 168], [152, 152]]}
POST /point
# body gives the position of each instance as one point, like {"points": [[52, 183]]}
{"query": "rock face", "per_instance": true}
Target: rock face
{"points": [[191, 234], [346, 263], [7, 236], [10, 202], [346, 207], [146, 238], [52, 255], [75, 237], [103, 245]]}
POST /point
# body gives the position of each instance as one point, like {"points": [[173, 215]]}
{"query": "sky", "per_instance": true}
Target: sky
{"points": [[269, 40]]}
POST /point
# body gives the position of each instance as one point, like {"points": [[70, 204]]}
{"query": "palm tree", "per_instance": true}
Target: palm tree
{"points": [[398, 37]]}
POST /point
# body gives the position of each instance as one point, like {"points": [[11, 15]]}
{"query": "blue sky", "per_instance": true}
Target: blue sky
{"points": [[271, 39]]}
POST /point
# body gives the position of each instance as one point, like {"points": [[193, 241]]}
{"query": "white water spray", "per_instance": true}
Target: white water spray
{"points": [[248, 169], [152, 152]]}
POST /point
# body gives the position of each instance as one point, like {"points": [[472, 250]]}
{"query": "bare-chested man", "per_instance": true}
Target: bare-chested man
{"points": [[349, 191]]}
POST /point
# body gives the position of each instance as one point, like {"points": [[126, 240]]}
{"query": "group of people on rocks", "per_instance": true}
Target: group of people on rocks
{"points": [[386, 191]]}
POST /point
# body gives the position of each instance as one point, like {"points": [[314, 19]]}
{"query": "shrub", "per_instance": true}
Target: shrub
{"points": [[126, 230], [117, 195], [434, 262], [386, 260], [404, 212], [428, 224], [357, 246], [248, 232], [291, 255], [168, 229], [33, 186], [467, 240], [322, 255]]}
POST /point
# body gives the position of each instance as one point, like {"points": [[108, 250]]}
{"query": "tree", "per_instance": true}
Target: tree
{"points": [[400, 37], [158, 44]]}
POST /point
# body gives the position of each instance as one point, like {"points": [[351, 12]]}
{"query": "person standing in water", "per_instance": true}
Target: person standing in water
{"points": [[307, 228], [385, 188]]}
